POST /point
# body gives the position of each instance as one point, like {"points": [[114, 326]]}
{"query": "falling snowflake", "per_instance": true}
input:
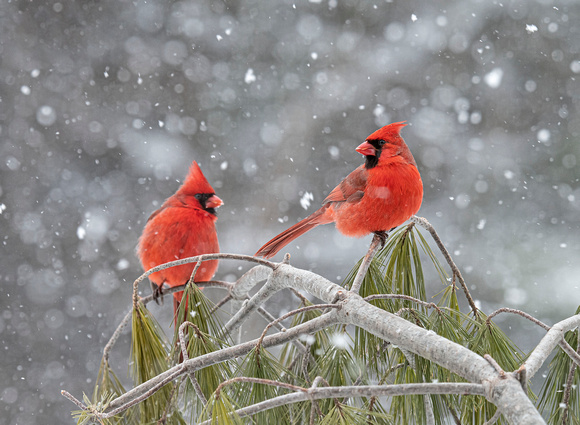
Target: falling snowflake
{"points": [[531, 28], [305, 200], [250, 77]]}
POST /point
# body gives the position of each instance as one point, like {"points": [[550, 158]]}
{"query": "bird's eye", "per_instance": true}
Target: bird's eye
{"points": [[198, 196], [381, 142]]}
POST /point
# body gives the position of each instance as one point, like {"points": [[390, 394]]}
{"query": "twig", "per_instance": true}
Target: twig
{"points": [[300, 296], [268, 316], [430, 416], [568, 389], [452, 411], [574, 355], [292, 313], [163, 419], [427, 226], [364, 266], [113, 340], [223, 301], [306, 362], [257, 381], [197, 259], [555, 336], [494, 418], [79, 404], [460, 388], [519, 312], [402, 297], [185, 355], [315, 407], [496, 366]]}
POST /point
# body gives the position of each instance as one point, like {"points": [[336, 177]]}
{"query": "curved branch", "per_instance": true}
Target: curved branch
{"points": [[518, 312], [185, 356], [427, 226], [257, 381], [197, 259], [365, 264], [402, 297], [555, 336], [318, 393], [290, 314]]}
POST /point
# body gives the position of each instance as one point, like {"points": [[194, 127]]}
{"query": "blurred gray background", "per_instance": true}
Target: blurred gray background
{"points": [[104, 104]]}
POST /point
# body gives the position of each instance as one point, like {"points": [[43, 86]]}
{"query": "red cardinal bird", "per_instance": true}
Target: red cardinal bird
{"points": [[183, 227], [378, 196]]}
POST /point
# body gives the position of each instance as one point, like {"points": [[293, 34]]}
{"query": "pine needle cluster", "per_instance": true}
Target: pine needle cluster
{"points": [[337, 356]]}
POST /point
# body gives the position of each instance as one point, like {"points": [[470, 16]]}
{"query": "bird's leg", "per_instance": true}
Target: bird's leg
{"points": [[157, 293], [382, 235]]}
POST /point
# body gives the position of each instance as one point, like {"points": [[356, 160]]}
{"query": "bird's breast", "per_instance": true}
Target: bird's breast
{"points": [[391, 197]]}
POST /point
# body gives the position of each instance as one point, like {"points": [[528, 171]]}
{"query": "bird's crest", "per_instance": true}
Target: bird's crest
{"points": [[389, 131], [195, 182]]}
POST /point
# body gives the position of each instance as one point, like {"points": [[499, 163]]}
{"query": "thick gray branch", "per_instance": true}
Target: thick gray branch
{"points": [[554, 337], [507, 393]]}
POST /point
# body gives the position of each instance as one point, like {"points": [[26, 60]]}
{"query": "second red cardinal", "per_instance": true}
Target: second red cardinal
{"points": [[378, 196], [183, 227]]}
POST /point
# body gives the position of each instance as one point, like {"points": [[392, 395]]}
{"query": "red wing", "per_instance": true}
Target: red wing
{"points": [[351, 189]]}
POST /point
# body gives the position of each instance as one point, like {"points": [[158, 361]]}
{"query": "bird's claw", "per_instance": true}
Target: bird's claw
{"points": [[157, 293], [382, 235]]}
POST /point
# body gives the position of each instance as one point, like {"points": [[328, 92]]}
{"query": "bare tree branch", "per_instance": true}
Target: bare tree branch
{"points": [[366, 262], [199, 258], [402, 297], [257, 381], [554, 337], [185, 355], [455, 270], [292, 313], [568, 389], [318, 393], [518, 312]]}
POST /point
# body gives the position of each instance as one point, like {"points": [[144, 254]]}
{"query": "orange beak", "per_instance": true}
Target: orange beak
{"points": [[366, 149], [213, 202]]}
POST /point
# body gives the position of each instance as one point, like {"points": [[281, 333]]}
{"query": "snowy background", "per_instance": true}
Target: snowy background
{"points": [[104, 104]]}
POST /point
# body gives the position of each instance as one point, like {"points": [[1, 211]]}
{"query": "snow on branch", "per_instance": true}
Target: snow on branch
{"points": [[505, 389]]}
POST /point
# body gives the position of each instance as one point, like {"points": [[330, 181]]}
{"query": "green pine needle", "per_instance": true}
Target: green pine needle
{"points": [[149, 351], [196, 307], [342, 414], [318, 342], [109, 385], [402, 265], [489, 339], [555, 385], [100, 404], [208, 377], [338, 367], [431, 254], [262, 365], [222, 411]]}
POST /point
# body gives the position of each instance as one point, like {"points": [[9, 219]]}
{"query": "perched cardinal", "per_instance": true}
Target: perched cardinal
{"points": [[378, 196], [183, 227]]}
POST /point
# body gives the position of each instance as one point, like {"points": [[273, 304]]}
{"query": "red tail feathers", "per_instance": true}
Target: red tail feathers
{"points": [[272, 247]]}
